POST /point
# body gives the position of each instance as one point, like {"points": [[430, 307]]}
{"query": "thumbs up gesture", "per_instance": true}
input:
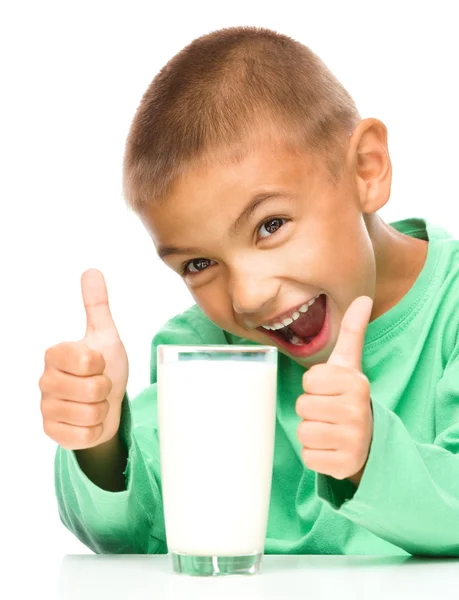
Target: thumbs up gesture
{"points": [[84, 382], [337, 425]]}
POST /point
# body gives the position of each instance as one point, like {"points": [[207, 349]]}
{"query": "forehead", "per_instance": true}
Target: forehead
{"points": [[212, 186], [263, 162]]}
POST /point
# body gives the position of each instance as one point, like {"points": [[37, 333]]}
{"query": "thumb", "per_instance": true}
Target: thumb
{"points": [[95, 298], [349, 346]]}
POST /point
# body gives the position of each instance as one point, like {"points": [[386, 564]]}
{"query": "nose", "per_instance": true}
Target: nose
{"points": [[251, 292]]}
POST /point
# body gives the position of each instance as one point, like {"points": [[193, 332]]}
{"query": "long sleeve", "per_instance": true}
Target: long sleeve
{"points": [[129, 521], [409, 491]]}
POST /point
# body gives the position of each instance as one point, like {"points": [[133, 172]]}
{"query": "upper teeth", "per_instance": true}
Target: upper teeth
{"points": [[293, 317]]}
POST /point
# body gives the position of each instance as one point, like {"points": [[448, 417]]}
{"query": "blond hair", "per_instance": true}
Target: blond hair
{"points": [[207, 101]]}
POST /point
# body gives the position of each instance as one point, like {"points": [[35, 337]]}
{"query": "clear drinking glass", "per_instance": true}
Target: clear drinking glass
{"points": [[217, 414]]}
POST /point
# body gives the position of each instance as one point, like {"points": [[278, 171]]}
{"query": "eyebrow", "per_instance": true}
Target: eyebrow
{"points": [[245, 215]]}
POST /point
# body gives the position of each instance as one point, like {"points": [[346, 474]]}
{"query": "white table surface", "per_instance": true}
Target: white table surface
{"points": [[142, 577]]}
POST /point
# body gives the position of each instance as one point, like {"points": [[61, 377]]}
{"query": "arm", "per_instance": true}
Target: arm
{"points": [[408, 493], [126, 521], [131, 519]]}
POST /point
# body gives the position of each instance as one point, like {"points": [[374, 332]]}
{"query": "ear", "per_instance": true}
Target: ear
{"points": [[370, 163]]}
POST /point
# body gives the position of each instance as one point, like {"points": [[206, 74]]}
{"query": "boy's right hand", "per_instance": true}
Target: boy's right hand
{"points": [[84, 382]]}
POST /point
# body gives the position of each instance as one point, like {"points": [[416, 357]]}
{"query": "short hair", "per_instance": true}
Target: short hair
{"points": [[204, 103]]}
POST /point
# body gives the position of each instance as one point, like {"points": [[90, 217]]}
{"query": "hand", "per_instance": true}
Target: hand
{"points": [[337, 425], [84, 382]]}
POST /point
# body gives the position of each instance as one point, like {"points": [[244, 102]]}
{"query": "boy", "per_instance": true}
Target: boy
{"points": [[259, 184]]}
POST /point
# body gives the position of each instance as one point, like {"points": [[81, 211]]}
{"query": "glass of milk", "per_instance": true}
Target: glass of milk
{"points": [[216, 415]]}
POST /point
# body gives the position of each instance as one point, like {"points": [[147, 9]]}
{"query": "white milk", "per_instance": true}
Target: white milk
{"points": [[216, 428]]}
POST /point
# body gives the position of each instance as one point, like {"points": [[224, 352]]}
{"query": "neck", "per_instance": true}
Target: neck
{"points": [[399, 260]]}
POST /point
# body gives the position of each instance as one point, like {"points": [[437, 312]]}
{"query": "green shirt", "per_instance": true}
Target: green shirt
{"points": [[408, 498]]}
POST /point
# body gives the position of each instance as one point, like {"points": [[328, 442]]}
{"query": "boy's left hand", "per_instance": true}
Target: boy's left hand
{"points": [[337, 425]]}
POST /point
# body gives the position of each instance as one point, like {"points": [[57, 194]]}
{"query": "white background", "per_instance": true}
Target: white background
{"points": [[72, 75]]}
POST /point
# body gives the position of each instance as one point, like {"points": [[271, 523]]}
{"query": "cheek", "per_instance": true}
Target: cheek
{"points": [[215, 304], [310, 256], [341, 255]]}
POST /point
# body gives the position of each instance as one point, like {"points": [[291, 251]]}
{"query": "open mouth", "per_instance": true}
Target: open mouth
{"points": [[307, 333]]}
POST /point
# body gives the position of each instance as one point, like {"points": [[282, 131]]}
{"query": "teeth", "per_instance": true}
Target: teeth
{"points": [[295, 340], [274, 327], [305, 307], [294, 317]]}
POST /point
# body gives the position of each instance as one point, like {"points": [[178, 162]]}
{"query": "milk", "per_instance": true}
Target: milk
{"points": [[216, 430]]}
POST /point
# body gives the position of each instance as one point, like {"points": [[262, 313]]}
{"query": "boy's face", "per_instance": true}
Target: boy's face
{"points": [[246, 268]]}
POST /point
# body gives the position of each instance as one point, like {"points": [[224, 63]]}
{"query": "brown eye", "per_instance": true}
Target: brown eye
{"points": [[196, 265], [271, 226]]}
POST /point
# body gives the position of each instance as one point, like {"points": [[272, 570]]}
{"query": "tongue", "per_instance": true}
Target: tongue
{"points": [[310, 323]]}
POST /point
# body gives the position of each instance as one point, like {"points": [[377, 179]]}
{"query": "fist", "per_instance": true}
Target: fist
{"points": [[84, 382], [337, 420]]}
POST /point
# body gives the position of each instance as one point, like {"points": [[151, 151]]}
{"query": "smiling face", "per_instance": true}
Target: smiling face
{"points": [[257, 240]]}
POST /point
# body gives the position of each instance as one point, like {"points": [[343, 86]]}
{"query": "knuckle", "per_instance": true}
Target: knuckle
{"points": [[311, 461], [314, 372], [301, 430], [91, 360], [85, 361], [89, 435], [86, 435], [96, 413], [94, 389], [49, 355], [308, 463], [300, 406], [307, 459], [107, 384], [44, 406], [48, 382], [88, 414], [103, 409], [353, 413], [42, 383], [47, 428]]}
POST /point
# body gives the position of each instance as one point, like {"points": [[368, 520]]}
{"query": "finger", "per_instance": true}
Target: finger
{"points": [[71, 437], [75, 358], [328, 380], [74, 413], [349, 346], [327, 462], [323, 409], [64, 386], [95, 299], [319, 436]]}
